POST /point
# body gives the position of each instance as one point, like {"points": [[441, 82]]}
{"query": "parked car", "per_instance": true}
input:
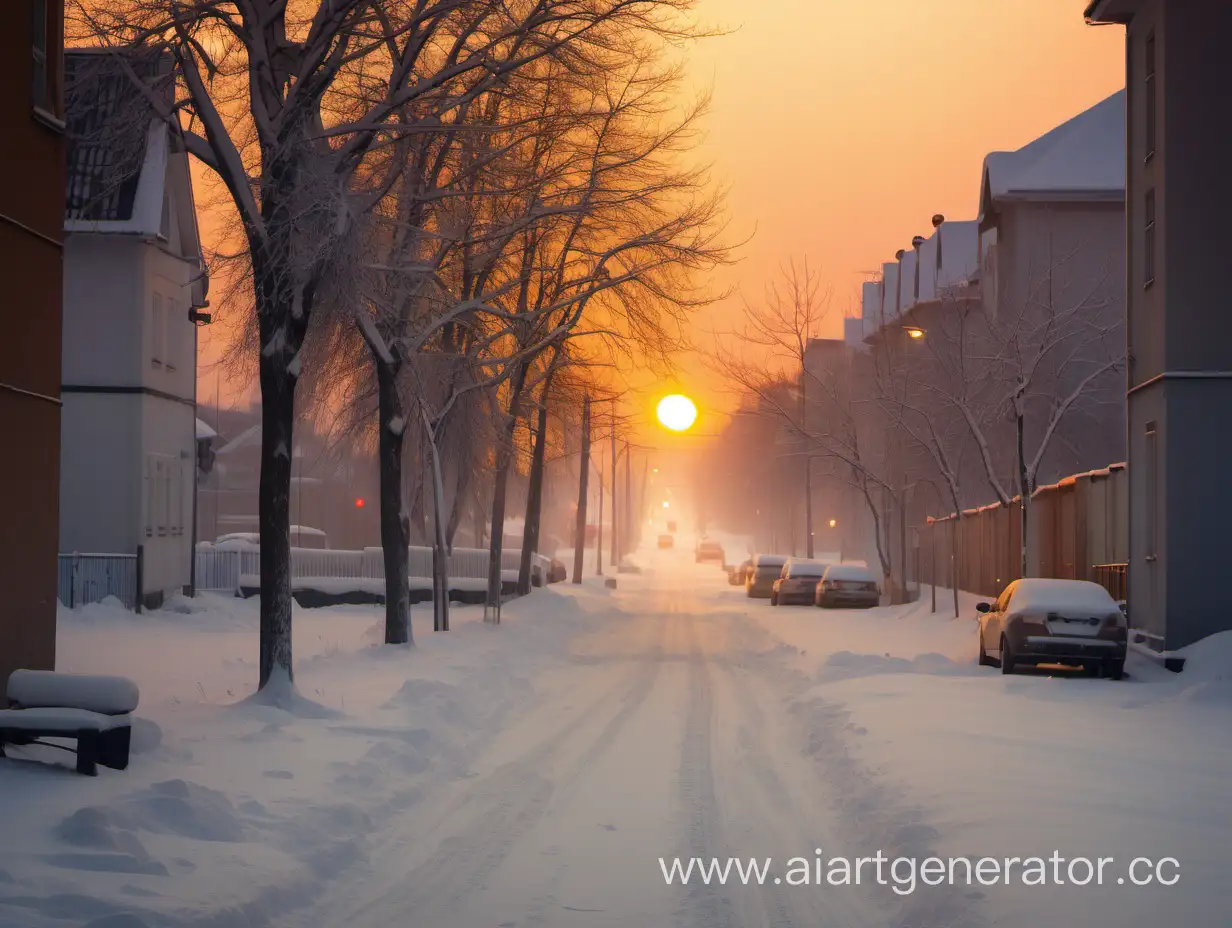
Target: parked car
{"points": [[797, 582], [1037, 621], [848, 585], [736, 576], [765, 572], [667, 541], [301, 537], [710, 551]]}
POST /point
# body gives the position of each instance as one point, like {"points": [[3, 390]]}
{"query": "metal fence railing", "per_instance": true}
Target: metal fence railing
{"points": [[1113, 578], [90, 578], [221, 570]]}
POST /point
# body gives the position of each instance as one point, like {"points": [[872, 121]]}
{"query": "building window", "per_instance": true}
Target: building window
{"points": [[1148, 239], [45, 59], [164, 510], [1150, 454], [1151, 91], [168, 332]]}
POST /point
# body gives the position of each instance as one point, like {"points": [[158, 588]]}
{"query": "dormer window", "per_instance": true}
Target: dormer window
{"points": [[45, 62]]}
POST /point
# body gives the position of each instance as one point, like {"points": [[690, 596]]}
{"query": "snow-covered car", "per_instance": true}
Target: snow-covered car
{"points": [[797, 582], [302, 536], [736, 575], [710, 551], [763, 574], [1038, 621], [667, 541], [850, 585]]}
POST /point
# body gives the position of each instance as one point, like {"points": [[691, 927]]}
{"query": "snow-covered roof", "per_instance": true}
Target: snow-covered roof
{"points": [[1083, 158], [805, 567], [1108, 12], [306, 530], [769, 560], [849, 572], [250, 435], [204, 431]]}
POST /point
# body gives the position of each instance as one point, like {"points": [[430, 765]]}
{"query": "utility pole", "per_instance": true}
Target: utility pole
{"points": [[627, 533], [808, 461], [642, 515], [599, 539], [932, 553], [579, 531], [616, 533]]}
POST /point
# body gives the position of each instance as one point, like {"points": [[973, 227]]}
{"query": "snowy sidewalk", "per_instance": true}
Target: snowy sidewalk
{"points": [[536, 773]]}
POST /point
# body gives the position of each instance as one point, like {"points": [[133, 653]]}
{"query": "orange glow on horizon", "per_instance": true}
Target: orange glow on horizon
{"points": [[838, 131]]}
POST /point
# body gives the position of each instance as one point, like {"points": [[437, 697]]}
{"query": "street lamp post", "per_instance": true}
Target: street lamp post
{"points": [[938, 221]]}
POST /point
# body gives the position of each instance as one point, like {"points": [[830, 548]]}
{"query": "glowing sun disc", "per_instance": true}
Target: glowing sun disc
{"points": [[677, 412]]}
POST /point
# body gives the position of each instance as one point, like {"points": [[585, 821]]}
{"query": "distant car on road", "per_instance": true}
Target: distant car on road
{"points": [[667, 541], [710, 551], [763, 574], [848, 585], [797, 583], [1038, 621]]}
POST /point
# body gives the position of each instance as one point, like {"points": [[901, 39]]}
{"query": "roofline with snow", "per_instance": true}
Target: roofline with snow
{"points": [[1110, 12]]}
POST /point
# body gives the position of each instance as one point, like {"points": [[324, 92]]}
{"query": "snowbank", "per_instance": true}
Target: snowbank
{"points": [[237, 807]]}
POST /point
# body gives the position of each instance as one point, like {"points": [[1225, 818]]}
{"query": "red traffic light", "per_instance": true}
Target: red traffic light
{"points": [[359, 502]]}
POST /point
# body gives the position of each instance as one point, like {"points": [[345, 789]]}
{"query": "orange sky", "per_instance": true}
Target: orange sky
{"points": [[842, 126]]}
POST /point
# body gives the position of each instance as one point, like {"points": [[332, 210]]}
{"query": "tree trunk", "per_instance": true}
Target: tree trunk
{"points": [[1025, 489], [440, 550], [599, 532], [504, 458], [902, 544], [274, 515], [461, 495], [615, 543], [808, 505], [882, 554], [395, 530], [579, 529], [534, 493], [627, 532]]}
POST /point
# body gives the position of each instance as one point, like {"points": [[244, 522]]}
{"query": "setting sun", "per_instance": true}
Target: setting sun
{"points": [[677, 412]]}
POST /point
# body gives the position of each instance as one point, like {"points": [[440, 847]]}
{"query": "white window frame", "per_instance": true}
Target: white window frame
{"points": [[170, 307], [149, 496]]}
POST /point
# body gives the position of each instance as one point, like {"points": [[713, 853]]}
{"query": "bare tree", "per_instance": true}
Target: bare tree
{"points": [[782, 328], [287, 103], [1016, 375]]}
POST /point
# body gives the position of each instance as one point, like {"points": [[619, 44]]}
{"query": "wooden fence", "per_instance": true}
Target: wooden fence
{"points": [[1078, 531]]}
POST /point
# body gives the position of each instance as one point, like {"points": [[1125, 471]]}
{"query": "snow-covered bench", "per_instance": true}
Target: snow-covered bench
{"points": [[94, 711]]}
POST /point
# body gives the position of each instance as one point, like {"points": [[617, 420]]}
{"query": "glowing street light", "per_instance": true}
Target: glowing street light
{"points": [[667, 505], [913, 331], [833, 523]]}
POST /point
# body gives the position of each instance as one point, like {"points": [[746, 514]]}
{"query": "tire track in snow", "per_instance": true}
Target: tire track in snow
{"points": [[510, 801], [703, 906]]}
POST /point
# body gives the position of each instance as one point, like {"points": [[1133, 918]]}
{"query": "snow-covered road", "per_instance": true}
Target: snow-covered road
{"points": [[536, 774], [657, 739]]}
